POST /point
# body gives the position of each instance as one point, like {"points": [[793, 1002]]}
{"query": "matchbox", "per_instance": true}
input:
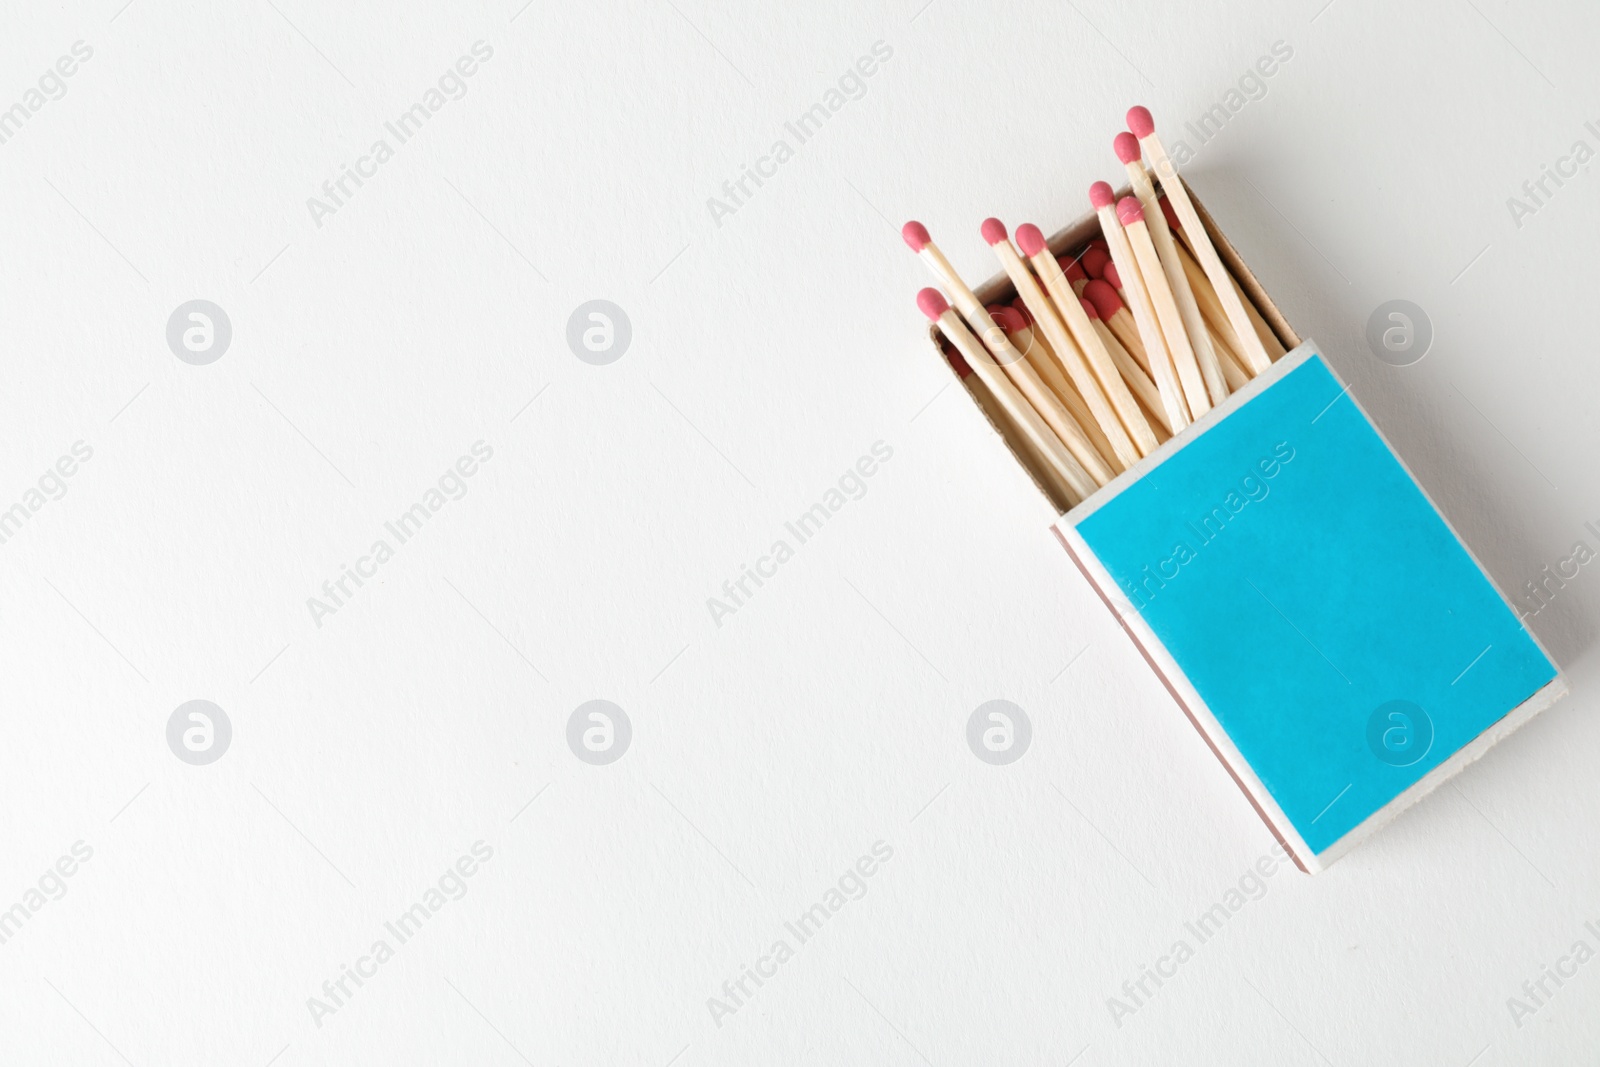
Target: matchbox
{"points": [[1282, 520]]}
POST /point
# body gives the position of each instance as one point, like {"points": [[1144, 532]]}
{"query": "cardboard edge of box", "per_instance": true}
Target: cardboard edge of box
{"points": [[1150, 647], [1469, 753], [1188, 699]]}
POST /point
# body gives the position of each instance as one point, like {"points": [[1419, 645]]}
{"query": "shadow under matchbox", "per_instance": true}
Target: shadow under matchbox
{"points": [[1314, 615]]}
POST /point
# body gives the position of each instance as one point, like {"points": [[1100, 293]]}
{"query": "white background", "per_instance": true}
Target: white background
{"points": [[769, 353]]}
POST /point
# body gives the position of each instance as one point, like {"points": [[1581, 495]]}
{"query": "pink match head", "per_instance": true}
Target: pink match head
{"points": [[1095, 261], [993, 230], [1006, 318], [1126, 146], [1088, 307], [1104, 298], [1073, 269], [915, 235], [1100, 195], [1112, 276], [1169, 214], [1029, 239], [932, 303], [1129, 211], [1140, 122]]}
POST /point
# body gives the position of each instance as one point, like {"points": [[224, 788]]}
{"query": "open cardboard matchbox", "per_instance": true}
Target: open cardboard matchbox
{"points": [[1308, 607]]}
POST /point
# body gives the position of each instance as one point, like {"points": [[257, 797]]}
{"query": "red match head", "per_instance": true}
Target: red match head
{"points": [[1073, 269], [1100, 242], [1170, 214], [915, 235], [1129, 211], [1112, 276], [1104, 298], [1140, 122], [1029, 239], [958, 365], [1088, 307], [1100, 195], [1126, 146], [1095, 261], [993, 230], [1006, 318], [932, 303], [1021, 308]]}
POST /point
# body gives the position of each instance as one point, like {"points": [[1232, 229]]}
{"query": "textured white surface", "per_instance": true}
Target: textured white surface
{"points": [[829, 712]]}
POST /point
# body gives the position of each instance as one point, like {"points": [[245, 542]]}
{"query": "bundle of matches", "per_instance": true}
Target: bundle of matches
{"points": [[1112, 351]]}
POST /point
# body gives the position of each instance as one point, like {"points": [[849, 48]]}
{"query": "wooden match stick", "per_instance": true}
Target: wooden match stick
{"points": [[1210, 306], [1217, 324], [1250, 347], [1062, 344], [915, 235], [1152, 340], [1126, 146], [1205, 296], [1067, 303], [1139, 382], [1154, 278], [1023, 414], [1015, 322]]}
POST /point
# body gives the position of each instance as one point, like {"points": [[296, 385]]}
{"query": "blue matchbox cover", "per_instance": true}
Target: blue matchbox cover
{"points": [[1311, 609]]}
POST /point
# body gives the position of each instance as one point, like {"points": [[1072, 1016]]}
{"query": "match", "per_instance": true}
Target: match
{"points": [[1126, 146], [1148, 327], [915, 235], [1131, 215], [1250, 346]]}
